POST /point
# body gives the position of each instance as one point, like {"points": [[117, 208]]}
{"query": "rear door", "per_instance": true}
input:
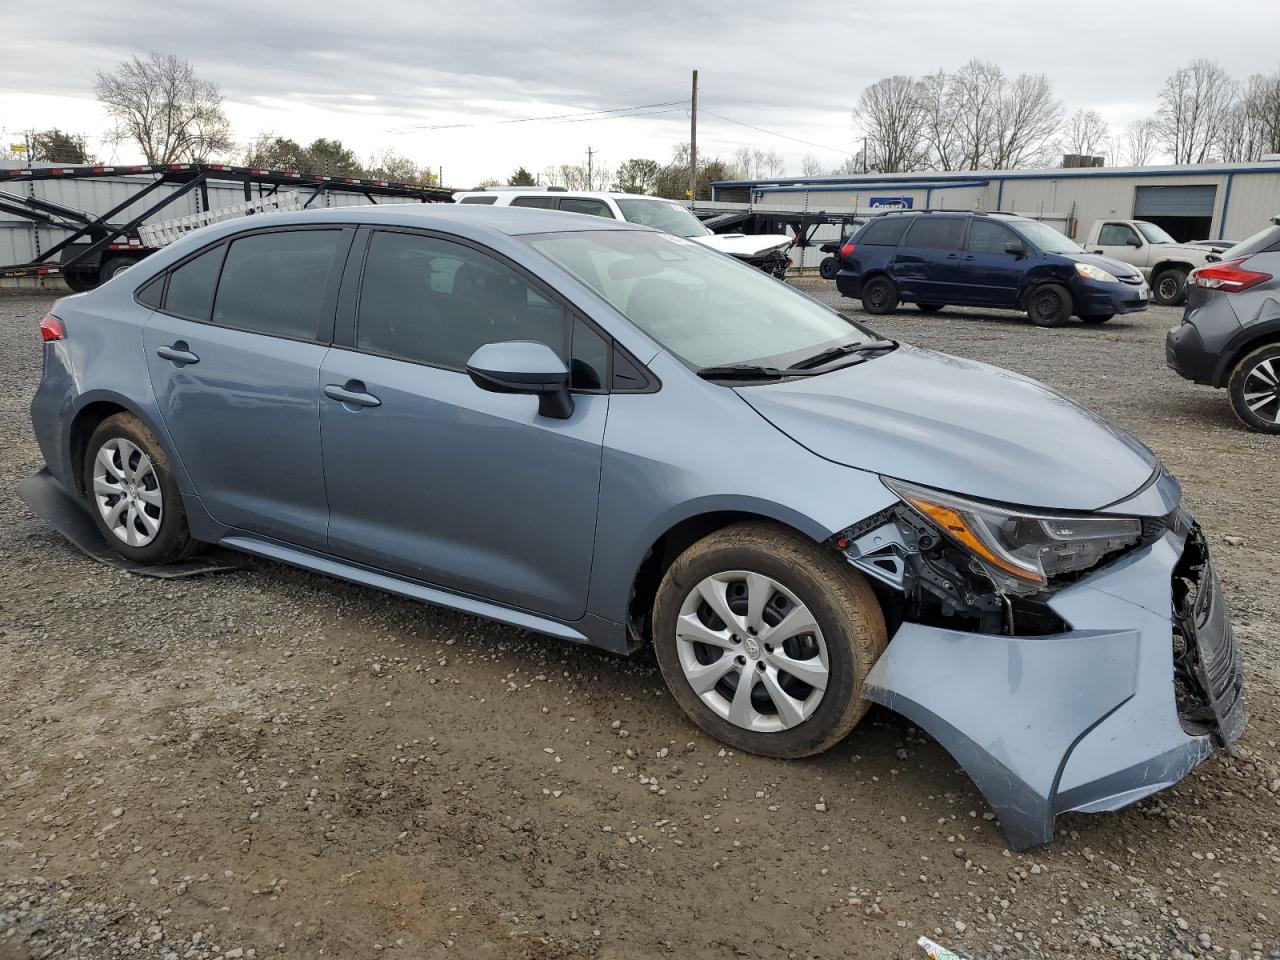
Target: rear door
{"points": [[989, 273], [234, 355], [929, 259]]}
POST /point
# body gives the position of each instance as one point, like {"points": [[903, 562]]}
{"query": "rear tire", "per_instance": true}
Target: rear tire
{"points": [[1169, 288], [1096, 317], [930, 307], [1255, 389], [787, 603], [828, 268], [879, 296], [1049, 305], [133, 497]]}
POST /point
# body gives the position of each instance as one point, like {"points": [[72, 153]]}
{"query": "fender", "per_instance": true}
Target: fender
{"points": [[1244, 340]]}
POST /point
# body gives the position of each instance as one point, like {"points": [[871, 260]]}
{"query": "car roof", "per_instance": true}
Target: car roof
{"points": [[546, 192]]}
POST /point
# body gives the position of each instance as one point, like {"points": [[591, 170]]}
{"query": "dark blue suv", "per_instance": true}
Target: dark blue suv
{"points": [[933, 258]]}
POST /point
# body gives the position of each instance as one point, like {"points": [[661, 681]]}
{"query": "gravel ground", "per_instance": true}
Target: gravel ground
{"points": [[270, 762]]}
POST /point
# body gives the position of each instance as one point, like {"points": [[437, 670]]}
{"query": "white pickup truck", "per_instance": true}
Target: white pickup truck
{"points": [[1162, 260]]}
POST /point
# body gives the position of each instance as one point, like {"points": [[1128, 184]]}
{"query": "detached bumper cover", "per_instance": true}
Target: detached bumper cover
{"points": [[1086, 720]]}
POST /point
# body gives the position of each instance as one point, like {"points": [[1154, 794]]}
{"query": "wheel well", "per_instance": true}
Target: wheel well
{"points": [[82, 428], [660, 556], [1265, 338], [1160, 267]]}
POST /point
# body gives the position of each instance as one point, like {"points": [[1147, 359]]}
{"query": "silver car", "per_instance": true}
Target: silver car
{"points": [[614, 436]]}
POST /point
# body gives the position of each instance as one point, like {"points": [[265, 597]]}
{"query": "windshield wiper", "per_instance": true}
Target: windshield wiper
{"points": [[843, 350], [749, 371]]}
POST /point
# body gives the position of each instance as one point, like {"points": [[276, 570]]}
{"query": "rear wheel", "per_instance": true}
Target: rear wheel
{"points": [[1096, 317], [828, 268], [1169, 288], [930, 307], [1255, 389], [879, 295], [765, 639], [1049, 305], [133, 497]]}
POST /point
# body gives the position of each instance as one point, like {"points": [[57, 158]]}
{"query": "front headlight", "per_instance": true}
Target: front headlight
{"points": [[1031, 546], [1090, 272]]}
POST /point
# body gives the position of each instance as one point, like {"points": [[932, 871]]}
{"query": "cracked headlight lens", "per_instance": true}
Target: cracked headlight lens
{"points": [[1029, 545], [1095, 273]]}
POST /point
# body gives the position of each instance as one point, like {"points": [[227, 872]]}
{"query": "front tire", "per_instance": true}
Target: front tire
{"points": [[1169, 288], [133, 497], [760, 604], [1255, 389], [879, 296], [1049, 305]]}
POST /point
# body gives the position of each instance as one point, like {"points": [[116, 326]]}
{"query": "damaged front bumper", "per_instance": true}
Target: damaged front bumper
{"points": [[1137, 691]]}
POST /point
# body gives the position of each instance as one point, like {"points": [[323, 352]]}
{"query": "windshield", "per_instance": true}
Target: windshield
{"points": [[1153, 233], [706, 308], [1045, 237], [661, 215]]}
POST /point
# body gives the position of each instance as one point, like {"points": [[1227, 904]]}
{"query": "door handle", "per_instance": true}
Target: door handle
{"points": [[970, 257], [352, 392], [178, 353]]}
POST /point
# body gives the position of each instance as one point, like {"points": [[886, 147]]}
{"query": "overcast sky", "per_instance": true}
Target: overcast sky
{"points": [[378, 73]]}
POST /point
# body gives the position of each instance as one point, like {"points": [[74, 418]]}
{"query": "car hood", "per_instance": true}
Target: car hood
{"points": [[961, 426], [743, 244], [1117, 268]]}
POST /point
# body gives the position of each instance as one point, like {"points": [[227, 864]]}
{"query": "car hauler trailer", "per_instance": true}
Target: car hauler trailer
{"points": [[96, 247]]}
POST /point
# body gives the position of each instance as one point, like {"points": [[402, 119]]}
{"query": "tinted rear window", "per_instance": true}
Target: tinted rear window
{"points": [[478, 200], [885, 233], [1264, 240], [546, 203], [191, 286], [936, 233]]}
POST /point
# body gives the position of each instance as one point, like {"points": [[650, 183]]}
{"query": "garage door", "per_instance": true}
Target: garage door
{"points": [[1174, 201]]}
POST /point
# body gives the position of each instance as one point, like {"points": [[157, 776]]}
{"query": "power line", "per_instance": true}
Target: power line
{"points": [[774, 133], [589, 114]]}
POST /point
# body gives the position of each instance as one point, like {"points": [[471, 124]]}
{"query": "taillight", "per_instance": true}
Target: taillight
{"points": [[1228, 276], [51, 328], [848, 248]]}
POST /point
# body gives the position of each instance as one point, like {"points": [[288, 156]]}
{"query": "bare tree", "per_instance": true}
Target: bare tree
{"points": [[1086, 133], [1027, 117], [939, 124], [1140, 140], [1194, 104], [891, 117], [389, 165], [974, 97], [810, 166], [162, 106], [1252, 126], [771, 163]]}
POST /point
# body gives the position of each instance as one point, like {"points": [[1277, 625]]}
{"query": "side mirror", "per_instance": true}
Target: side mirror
{"points": [[524, 366], [1019, 250], [1133, 241]]}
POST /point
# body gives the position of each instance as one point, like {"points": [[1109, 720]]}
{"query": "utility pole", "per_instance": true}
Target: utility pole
{"points": [[590, 154], [693, 140]]}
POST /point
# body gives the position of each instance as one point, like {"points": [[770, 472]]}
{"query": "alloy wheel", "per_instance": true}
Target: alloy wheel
{"points": [[752, 651], [1262, 390], [126, 491]]}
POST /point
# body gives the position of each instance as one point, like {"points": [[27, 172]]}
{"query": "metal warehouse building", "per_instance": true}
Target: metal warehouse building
{"points": [[1202, 202]]}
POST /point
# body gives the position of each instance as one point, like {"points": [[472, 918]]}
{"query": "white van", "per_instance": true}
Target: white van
{"points": [[768, 252]]}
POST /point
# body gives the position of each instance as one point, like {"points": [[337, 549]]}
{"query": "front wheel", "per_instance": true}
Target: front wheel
{"points": [[1255, 389], [1049, 305], [879, 295], [1169, 288], [765, 639], [133, 497]]}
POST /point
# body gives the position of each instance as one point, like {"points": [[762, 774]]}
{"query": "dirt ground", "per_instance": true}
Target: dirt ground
{"points": [[270, 762]]}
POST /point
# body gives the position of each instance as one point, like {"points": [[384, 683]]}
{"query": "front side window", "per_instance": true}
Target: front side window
{"points": [[191, 285], [1115, 235], [542, 203], [661, 214], [274, 283], [435, 301], [706, 308], [988, 237], [935, 233], [1153, 233], [590, 205], [1045, 237]]}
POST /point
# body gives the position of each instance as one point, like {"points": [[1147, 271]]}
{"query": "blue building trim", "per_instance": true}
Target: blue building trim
{"points": [[858, 187], [1226, 203]]}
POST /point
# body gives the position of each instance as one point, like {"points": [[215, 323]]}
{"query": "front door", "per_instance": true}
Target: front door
{"points": [[1121, 242], [990, 273], [235, 364], [431, 477]]}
